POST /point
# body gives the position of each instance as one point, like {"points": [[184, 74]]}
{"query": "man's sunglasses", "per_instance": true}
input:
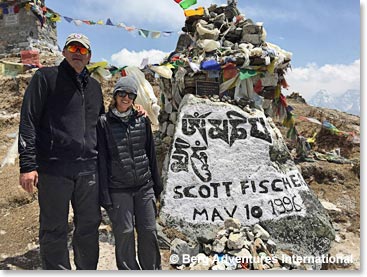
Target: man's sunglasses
{"points": [[122, 94], [74, 48]]}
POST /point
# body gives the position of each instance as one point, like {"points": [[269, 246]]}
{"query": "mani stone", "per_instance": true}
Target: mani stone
{"points": [[228, 163]]}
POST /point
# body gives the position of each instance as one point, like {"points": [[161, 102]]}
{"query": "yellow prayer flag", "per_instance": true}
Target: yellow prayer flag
{"points": [[95, 65], [55, 18], [313, 139], [270, 68], [168, 65], [197, 11], [277, 92]]}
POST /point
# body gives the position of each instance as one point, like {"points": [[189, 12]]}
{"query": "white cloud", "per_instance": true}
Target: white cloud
{"points": [[132, 58], [334, 78]]}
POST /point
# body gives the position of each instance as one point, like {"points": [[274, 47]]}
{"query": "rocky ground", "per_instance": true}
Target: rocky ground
{"points": [[336, 185]]}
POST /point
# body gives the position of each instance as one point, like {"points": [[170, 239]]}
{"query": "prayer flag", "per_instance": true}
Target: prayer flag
{"points": [[130, 28], [247, 73], [109, 22], [121, 25], [198, 11], [77, 22], [143, 33], [144, 62], [187, 3], [55, 17], [166, 34], [68, 19], [155, 34]]}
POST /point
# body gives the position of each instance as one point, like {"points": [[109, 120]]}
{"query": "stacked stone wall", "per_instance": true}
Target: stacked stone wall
{"points": [[22, 30]]}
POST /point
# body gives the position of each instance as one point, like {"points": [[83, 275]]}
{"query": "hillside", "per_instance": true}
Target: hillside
{"points": [[337, 185]]}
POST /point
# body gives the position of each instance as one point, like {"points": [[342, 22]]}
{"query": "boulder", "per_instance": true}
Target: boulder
{"points": [[229, 163]]}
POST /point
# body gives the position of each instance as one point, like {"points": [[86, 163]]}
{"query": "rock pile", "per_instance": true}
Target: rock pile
{"points": [[233, 248], [225, 54]]}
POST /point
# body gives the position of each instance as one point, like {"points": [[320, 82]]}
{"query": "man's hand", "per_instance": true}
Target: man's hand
{"points": [[140, 110], [28, 180]]}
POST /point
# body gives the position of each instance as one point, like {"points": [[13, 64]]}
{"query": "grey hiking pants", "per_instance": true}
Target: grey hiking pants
{"points": [[135, 209], [54, 196]]}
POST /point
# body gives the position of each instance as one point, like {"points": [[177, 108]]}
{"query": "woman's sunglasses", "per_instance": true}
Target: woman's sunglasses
{"points": [[74, 48], [131, 95]]}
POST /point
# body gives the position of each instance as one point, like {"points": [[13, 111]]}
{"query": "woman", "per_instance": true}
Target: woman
{"points": [[129, 178]]}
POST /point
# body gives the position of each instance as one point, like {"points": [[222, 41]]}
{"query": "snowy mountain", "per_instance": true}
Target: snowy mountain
{"points": [[349, 102]]}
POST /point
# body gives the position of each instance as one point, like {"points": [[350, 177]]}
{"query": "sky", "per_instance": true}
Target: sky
{"points": [[322, 35]]}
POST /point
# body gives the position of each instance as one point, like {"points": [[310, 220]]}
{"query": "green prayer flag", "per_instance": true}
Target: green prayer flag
{"points": [[178, 63], [246, 73], [187, 3], [144, 33]]}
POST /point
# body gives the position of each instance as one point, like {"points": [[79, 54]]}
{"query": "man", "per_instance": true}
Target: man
{"points": [[57, 147]]}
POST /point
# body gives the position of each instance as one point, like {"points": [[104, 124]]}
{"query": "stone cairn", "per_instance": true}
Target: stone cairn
{"points": [[222, 36], [233, 248]]}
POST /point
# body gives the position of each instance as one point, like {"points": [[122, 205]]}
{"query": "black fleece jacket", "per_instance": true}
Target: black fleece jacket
{"points": [[126, 156], [58, 118]]}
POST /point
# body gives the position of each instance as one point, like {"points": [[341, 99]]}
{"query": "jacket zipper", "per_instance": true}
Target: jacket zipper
{"points": [[131, 153], [83, 121]]}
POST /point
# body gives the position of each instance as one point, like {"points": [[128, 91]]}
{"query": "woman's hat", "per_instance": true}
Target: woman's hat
{"points": [[127, 83]]}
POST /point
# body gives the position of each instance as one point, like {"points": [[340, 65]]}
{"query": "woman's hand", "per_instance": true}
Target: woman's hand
{"points": [[140, 110]]}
